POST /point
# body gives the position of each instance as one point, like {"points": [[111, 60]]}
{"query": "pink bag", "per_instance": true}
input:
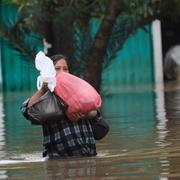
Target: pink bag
{"points": [[77, 94]]}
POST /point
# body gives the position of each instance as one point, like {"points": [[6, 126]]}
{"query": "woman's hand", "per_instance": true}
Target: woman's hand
{"points": [[92, 114], [77, 116]]}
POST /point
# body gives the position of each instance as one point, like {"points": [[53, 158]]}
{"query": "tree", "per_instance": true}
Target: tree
{"points": [[67, 16]]}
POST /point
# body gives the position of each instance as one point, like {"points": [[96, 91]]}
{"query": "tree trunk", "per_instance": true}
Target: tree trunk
{"points": [[59, 36], [94, 65], [47, 31], [63, 39], [57, 32]]}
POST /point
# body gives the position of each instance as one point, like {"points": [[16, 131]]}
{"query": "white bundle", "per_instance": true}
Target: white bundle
{"points": [[47, 71]]}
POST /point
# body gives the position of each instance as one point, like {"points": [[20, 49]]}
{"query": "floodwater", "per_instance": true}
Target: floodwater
{"points": [[143, 143]]}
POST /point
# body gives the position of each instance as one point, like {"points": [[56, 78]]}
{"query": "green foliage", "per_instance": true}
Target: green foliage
{"points": [[155, 8], [66, 16], [138, 13], [74, 16], [80, 11], [16, 36]]}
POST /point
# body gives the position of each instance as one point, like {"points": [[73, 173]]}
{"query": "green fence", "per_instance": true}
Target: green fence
{"points": [[133, 65], [17, 73]]}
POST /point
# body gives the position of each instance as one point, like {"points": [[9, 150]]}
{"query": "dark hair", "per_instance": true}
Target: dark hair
{"points": [[57, 57]]}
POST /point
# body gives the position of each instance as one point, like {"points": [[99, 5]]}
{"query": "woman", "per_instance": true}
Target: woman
{"points": [[63, 137]]}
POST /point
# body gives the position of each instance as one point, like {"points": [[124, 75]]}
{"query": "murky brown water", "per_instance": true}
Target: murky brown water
{"points": [[143, 143]]}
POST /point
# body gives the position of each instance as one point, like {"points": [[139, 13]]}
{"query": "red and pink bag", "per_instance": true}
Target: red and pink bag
{"points": [[79, 95]]}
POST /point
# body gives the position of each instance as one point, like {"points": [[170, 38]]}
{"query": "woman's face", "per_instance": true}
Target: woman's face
{"points": [[61, 66]]}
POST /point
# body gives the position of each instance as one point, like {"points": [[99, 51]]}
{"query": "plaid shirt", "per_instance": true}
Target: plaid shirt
{"points": [[66, 138]]}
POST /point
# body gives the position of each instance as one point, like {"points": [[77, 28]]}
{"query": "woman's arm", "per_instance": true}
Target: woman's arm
{"points": [[30, 101]]}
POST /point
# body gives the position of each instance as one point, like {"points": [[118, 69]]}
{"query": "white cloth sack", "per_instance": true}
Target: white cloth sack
{"points": [[47, 71]]}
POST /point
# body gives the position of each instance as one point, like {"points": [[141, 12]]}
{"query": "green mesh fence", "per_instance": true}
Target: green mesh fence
{"points": [[17, 71], [133, 65]]}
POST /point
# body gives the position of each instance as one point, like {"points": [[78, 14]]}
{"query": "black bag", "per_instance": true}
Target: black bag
{"points": [[100, 127], [47, 108]]}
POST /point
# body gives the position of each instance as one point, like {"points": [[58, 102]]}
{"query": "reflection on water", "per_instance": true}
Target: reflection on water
{"points": [[2, 139], [21, 137], [162, 129], [143, 142], [71, 168]]}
